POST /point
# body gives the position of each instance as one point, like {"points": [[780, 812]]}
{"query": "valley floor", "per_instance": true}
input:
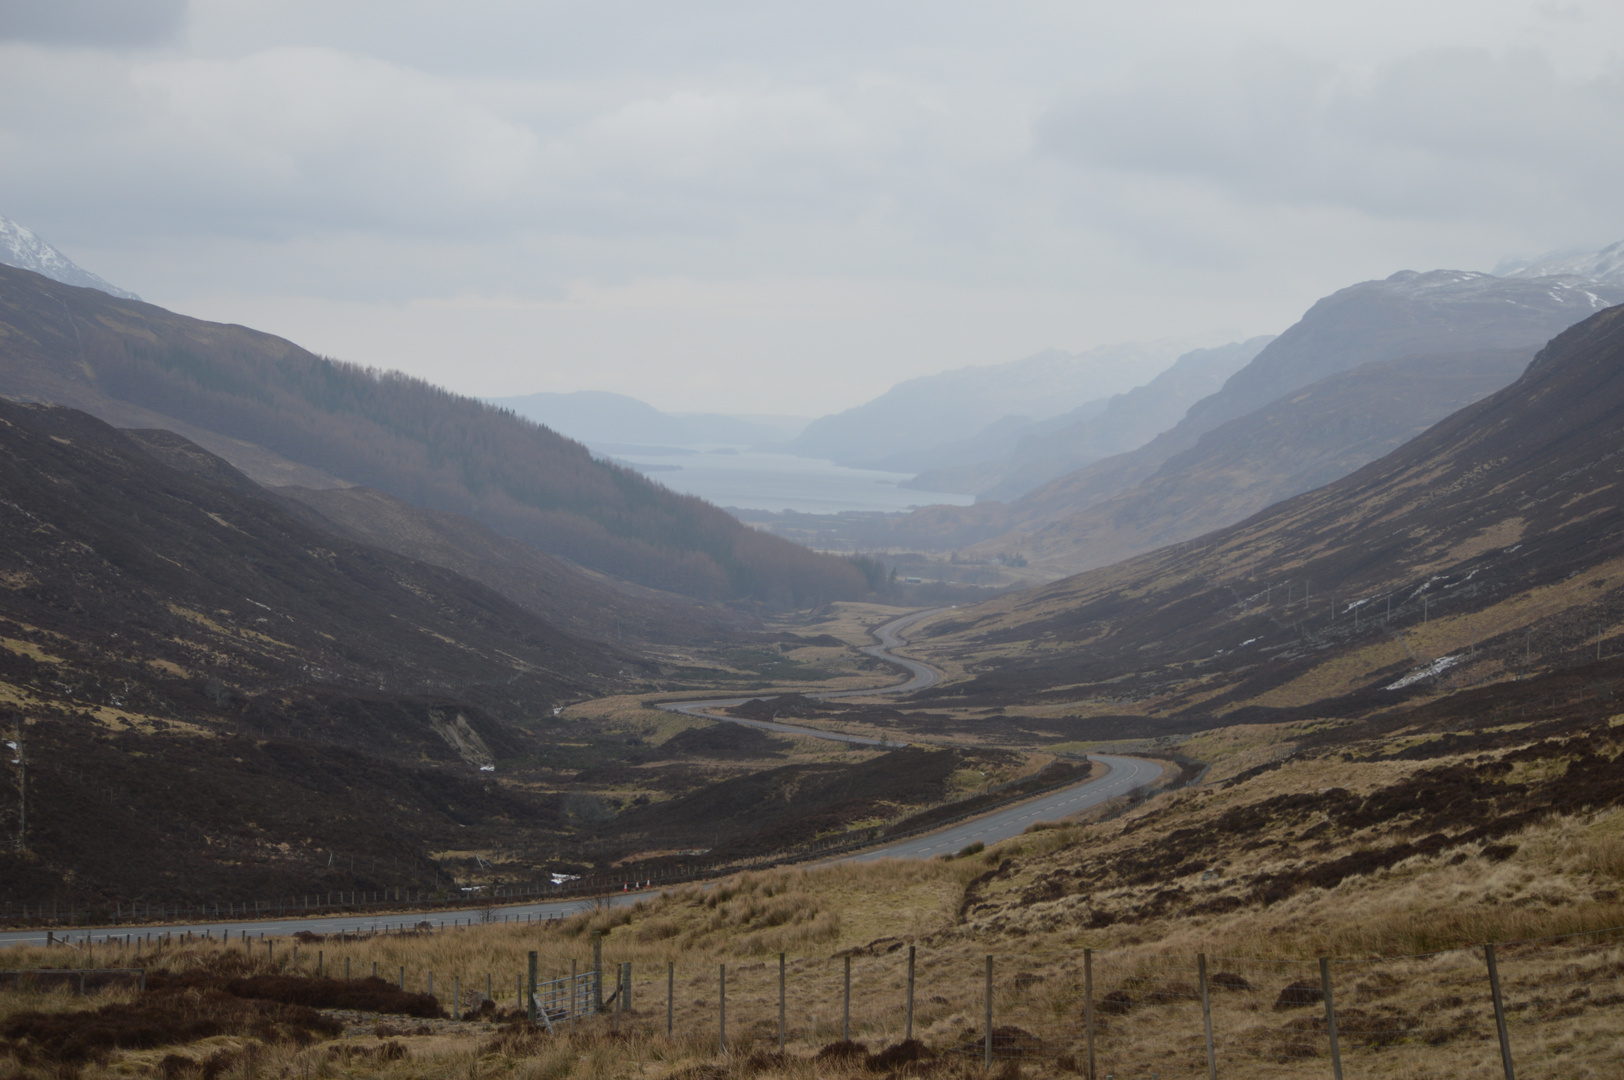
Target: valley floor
{"points": [[1397, 871]]}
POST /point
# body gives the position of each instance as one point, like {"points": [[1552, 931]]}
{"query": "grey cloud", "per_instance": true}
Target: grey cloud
{"points": [[92, 22], [290, 140], [1440, 134]]}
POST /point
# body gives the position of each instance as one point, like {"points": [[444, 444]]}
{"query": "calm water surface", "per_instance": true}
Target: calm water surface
{"points": [[757, 480]]}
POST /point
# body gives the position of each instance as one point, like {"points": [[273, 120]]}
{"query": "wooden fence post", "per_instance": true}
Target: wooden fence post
{"points": [[780, 1003], [987, 1050], [845, 1009], [1330, 1016], [530, 1000], [721, 1014], [597, 971], [1499, 1014], [1206, 1015], [1088, 1006], [908, 1035], [670, 994]]}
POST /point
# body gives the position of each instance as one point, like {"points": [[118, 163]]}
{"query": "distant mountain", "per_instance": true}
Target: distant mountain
{"points": [[1296, 443], [19, 247], [1098, 430], [602, 419], [1485, 549], [964, 466], [287, 416], [1604, 265], [907, 428], [1444, 312]]}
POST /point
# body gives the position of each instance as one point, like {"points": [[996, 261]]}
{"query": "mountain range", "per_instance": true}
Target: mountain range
{"points": [[1604, 265], [916, 424], [1277, 427], [227, 687], [1489, 546]]}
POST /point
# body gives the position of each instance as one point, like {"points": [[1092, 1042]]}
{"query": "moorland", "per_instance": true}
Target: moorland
{"points": [[1388, 702]]}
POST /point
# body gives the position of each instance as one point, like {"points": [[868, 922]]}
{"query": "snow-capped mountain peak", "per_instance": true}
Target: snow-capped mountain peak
{"points": [[19, 247], [1604, 265]]}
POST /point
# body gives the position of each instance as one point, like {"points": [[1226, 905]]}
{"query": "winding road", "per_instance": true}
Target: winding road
{"points": [[889, 635], [1124, 775]]}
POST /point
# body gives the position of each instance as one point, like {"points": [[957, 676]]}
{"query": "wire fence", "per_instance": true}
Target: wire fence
{"points": [[1544, 1008], [76, 980], [1534, 1009]]}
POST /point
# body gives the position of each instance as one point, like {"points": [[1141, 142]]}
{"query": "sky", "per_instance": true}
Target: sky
{"points": [[759, 207]]}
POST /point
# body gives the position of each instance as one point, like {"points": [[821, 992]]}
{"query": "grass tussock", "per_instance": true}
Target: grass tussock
{"points": [[156, 1018]]}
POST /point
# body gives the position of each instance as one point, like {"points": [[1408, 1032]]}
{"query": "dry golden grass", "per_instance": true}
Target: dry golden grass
{"points": [[1409, 972]]}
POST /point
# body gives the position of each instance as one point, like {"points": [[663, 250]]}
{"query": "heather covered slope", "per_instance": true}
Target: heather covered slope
{"points": [[1491, 545], [204, 584], [217, 696], [285, 415], [221, 697]]}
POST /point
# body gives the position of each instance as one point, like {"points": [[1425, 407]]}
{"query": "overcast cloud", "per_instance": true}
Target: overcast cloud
{"points": [[788, 208]]}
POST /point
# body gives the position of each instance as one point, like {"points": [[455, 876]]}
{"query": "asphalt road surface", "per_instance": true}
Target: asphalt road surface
{"points": [[889, 635], [1125, 774]]}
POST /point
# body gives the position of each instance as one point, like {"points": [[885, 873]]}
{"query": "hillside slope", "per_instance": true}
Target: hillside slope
{"points": [[1408, 314], [285, 415], [212, 584], [164, 633], [1123, 423], [1311, 437], [904, 427], [583, 603], [1490, 545]]}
